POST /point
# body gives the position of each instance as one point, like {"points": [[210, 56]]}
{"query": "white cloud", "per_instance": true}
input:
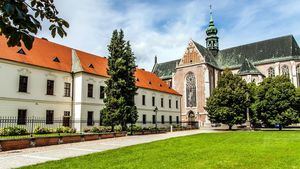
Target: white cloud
{"points": [[164, 29]]}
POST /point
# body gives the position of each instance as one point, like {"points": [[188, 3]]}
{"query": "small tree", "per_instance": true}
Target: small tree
{"points": [[20, 19], [276, 102], [120, 86], [229, 100]]}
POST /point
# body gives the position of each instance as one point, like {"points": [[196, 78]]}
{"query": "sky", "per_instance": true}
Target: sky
{"points": [[163, 28]]}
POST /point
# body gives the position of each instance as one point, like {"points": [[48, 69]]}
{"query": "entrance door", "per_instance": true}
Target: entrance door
{"points": [[66, 119], [191, 119]]}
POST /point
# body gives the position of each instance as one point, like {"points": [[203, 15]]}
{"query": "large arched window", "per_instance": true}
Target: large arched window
{"points": [[298, 74], [190, 90], [271, 72], [285, 70]]}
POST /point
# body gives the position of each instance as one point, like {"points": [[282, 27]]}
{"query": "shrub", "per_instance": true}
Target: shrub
{"points": [[86, 130], [13, 131], [135, 128], [41, 130], [65, 130], [100, 129], [118, 128]]}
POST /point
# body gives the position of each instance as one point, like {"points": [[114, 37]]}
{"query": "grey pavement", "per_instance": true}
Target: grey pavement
{"points": [[30, 156]]}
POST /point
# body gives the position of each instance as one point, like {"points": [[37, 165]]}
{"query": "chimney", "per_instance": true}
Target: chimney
{"points": [[155, 60]]}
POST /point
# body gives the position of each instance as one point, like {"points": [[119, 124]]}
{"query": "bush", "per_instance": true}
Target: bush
{"points": [[13, 131], [65, 130], [41, 130], [135, 128], [100, 129], [118, 128]]}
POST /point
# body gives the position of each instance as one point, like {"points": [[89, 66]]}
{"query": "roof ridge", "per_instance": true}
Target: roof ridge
{"points": [[265, 40]]}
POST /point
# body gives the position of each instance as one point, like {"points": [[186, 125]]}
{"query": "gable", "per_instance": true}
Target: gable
{"points": [[191, 55]]}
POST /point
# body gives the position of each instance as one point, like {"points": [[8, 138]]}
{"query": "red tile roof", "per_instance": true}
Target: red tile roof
{"points": [[43, 53]]}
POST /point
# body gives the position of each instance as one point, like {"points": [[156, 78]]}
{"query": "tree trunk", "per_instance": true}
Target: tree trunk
{"points": [[280, 127], [124, 127], [112, 128], [230, 127]]}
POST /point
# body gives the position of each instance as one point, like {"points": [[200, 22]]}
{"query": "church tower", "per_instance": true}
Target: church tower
{"points": [[212, 40]]}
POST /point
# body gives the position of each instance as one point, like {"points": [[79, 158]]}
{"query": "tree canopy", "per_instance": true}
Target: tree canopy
{"points": [[20, 20], [276, 102], [229, 101], [120, 86]]}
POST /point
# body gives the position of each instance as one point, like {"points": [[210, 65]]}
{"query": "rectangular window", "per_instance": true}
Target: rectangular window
{"points": [[49, 116], [170, 119], [101, 119], [90, 120], [144, 119], [90, 90], [170, 103], [153, 101], [50, 87], [67, 89], [22, 116], [162, 102], [162, 119], [23, 81], [153, 119], [177, 119], [102, 94], [176, 104], [144, 100]]}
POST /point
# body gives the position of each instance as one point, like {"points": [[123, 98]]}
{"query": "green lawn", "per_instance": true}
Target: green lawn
{"points": [[238, 150]]}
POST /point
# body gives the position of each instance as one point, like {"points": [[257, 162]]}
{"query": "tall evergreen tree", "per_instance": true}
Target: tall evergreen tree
{"points": [[120, 86], [229, 101], [276, 102]]}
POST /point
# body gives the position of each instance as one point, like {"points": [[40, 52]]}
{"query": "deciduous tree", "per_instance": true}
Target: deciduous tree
{"points": [[20, 20], [229, 101], [276, 102]]}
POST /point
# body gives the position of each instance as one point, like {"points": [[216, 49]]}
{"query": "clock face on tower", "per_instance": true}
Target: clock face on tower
{"points": [[190, 90]]}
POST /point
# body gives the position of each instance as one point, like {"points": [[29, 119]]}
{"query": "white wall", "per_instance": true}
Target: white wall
{"points": [[35, 100]]}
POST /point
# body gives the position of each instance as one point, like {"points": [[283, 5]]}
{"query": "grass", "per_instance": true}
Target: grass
{"points": [[246, 150]]}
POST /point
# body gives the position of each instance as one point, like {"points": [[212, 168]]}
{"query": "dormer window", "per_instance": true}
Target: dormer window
{"points": [[91, 66], [137, 79], [160, 85], [56, 60], [150, 82], [21, 51]]}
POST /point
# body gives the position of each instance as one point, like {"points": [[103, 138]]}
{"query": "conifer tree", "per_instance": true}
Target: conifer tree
{"points": [[120, 86]]}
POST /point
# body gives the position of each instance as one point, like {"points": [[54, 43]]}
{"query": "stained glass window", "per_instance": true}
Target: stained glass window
{"points": [[190, 90], [285, 70]]}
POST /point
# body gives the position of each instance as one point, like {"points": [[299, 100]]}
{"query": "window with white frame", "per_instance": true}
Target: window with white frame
{"points": [[298, 75]]}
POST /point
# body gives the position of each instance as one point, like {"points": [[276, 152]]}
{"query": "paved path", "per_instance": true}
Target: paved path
{"points": [[18, 158]]}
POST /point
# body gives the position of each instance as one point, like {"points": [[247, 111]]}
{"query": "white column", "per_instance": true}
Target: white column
{"points": [[277, 68]]}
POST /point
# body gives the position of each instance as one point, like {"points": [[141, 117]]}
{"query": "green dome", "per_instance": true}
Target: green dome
{"points": [[211, 30]]}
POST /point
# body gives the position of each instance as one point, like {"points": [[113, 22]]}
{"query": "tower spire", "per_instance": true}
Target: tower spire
{"points": [[212, 40]]}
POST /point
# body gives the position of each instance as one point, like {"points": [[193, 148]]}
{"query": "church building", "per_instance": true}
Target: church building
{"points": [[196, 74]]}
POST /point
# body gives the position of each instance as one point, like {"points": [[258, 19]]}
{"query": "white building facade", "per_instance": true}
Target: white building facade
{"points": [[53, 82]]}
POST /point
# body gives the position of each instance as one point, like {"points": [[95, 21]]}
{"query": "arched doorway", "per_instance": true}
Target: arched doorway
{"points": [[191, 119]]}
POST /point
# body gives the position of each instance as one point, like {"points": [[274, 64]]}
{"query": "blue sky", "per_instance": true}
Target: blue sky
{"points": [[164, 27]]}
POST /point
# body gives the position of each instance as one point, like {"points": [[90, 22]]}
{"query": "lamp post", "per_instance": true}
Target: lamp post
{"points": [[199, 123], [248, 124], [156, 110]]}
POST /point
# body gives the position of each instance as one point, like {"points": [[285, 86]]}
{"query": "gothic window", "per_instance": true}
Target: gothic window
{"points": [[298, 74], [285, 70], [271, 72], [190, 90]]}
